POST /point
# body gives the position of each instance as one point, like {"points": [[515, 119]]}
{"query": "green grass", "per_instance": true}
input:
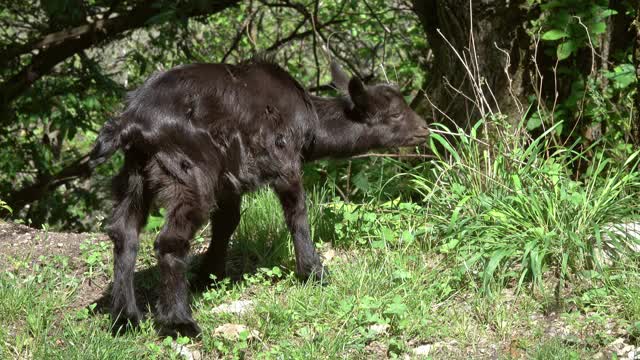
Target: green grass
{"points": [[513, 214], [499, 258]]}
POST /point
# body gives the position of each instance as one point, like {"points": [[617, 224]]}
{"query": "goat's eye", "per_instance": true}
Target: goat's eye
{"points": [[396, 117]]}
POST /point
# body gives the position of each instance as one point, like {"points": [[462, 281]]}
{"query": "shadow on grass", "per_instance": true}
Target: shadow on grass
{"points": [[244, 258]]}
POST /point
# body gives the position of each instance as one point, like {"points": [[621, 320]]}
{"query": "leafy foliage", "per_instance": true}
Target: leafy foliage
{"points": [[575, 24], [55, 121], [518, 216]]}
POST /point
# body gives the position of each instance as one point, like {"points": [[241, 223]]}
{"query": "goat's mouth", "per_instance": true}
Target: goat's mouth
{"points": [[419, 137]]}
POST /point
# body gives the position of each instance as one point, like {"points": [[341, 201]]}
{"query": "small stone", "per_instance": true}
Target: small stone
{"points": [[237, 307], [377, 350], [232, 332], [616, 344], [328, 255], [60, 245], [627, 349], [186, 353], [422, 350], [379, 329]]}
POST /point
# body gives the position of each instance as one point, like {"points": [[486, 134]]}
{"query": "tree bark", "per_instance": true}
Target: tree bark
{"points": [[479, 48]]}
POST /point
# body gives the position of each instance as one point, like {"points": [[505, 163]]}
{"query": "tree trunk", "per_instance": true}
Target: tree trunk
{"points": [[479, 54]]}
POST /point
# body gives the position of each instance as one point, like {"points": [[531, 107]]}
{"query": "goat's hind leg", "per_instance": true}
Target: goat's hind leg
{"points": [[129, 215], [187, 211]]}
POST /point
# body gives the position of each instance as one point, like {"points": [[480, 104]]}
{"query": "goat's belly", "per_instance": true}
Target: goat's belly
{"points": [[260, 171]]}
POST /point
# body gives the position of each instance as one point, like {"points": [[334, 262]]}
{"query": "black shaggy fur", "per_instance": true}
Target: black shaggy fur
{"points": [[197, 137]]}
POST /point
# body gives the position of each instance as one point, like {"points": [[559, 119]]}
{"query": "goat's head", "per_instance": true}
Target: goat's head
{"points": [[383, 108]]}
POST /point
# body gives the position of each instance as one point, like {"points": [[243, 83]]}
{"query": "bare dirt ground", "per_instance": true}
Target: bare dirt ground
{"points": [[21, 242], [21, 245]]}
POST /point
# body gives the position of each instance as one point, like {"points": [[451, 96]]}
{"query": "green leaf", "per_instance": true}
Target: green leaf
{"points": [[534, 122], [622, 75], [554, 34], [396, 307], [378, 244], [361, 181], [439, 138], [387, 234], [599, 28], [407, 236], [565, 49], [495, 260]]}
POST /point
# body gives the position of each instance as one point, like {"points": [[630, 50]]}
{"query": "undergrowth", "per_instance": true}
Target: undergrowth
{"points": [[473, 264]]}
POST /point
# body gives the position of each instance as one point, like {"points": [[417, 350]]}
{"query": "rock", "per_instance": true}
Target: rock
{"points": [[376, 350], [627, 349], [232, 332], [185, 352], [238, 307], [379, 329], [328, 255], [422, 350], [616, 344]]}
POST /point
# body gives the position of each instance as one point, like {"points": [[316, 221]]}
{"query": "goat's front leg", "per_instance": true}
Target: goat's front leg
{"points": [[292, 198]]}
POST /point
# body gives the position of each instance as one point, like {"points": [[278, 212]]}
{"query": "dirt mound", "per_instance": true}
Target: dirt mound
{"points": [[20, 242], [22, 248]]}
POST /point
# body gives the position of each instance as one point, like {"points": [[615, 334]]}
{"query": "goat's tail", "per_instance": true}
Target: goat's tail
{"points": [[108, 142]]}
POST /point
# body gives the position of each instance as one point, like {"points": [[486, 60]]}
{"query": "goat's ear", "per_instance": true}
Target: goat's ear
{"points": [[339, 77], [358, 93]]}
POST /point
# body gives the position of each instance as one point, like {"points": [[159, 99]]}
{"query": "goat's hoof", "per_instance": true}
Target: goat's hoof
{"points": [[189, 329], [125, 321], [317, 273]]}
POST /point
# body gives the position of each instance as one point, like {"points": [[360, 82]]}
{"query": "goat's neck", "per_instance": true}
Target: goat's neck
{"points": [[339, 132]]}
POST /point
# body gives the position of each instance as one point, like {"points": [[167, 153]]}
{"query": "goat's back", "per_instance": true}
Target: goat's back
{"points": [[219, 98], [208, 112]]}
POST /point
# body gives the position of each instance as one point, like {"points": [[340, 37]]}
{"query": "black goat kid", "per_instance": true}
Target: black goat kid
{"points": [[195, 138]]}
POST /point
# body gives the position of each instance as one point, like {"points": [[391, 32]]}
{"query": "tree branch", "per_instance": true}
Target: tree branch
{"points": [[32, 192], [62, 45], [296, 35]]}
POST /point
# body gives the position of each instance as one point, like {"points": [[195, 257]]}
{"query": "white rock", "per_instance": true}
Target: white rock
{"points": [[379, 329], [232, 332], [628, 349], [328, 255], [238, 307], [422, 350], [186, 353]]}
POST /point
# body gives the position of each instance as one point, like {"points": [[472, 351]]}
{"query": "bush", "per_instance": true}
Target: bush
{"points": [[519, 209]]}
